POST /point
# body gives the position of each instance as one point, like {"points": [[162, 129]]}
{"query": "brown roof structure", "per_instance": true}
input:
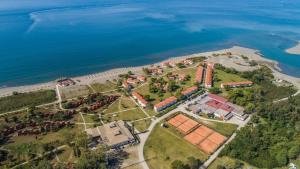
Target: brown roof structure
{"points": [[199, 74]]}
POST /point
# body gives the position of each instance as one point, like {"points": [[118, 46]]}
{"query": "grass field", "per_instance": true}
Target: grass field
{"points": [[23, 100], [164, 146], [225, 129], [133, 114], [104, 87], [74, 91], [142, 125], [226, 77], [121, 104], [144, 90]]}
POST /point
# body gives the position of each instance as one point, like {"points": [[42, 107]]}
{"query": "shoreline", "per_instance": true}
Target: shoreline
{"points": [[111, 74], [294, 50]]}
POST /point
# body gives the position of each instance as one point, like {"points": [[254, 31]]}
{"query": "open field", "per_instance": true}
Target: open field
{"points": [[144, 90], [142, 125], [132, 114], [226, 77], [225, 129], [104, 87], [22, 100], [70, 92], [164, 146], [123, 103]]}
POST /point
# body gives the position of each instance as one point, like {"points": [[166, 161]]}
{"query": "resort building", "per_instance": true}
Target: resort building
{"points": [[165, 104], [199, 74], [65, 82], [132, 81], [126, 86], [141, 78], [237, 84], [209, 76], [187, 62], [218, 106], [114, 134], [189, 91], [140, 99]]}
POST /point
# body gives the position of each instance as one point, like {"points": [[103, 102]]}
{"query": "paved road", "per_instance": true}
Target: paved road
{"points": [[144, 137]]}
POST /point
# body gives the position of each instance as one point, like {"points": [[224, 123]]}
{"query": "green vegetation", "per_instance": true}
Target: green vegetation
{"points": [[221, 76], [104, 87], [273, 139], [229, 163], [225, 129], [142, 125], [165, 146], [22, 100]]}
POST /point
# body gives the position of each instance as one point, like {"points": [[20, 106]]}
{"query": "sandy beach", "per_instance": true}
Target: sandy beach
{"points": [[294, 50], [235, 60]]}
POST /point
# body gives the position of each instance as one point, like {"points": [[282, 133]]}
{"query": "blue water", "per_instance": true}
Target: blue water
{"points": [[45, 40]]}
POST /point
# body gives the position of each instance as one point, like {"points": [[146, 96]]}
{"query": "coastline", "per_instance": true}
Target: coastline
{"points": [[233, 62], [294, 50]]}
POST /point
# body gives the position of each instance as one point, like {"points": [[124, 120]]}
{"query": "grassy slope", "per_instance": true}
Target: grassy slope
{"points": [[104, 87]]}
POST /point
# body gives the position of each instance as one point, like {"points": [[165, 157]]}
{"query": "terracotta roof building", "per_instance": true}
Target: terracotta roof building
{"points": [[199, 74], [165, 104], [209, 76], [189, 91], [237, 84], [140, 99]]}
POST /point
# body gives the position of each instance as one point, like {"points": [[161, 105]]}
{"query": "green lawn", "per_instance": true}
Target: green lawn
{"points": [[121, 104], [129, 115], [23, 100], [164, 146], [142, 125], [225, 129], [144, 90], [104, 87], [226, 77]]}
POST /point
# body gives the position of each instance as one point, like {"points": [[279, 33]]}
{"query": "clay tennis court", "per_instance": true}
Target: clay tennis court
{"points": [[183, 123], [203, 137], [217, 138], [194, 138], [208, 146], [204, 131]]}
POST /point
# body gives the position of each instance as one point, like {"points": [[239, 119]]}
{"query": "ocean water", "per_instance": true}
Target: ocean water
{"points": [[44, 40]]}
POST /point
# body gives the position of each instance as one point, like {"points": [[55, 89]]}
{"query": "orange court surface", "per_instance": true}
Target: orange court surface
{"points": [[199, 135]]}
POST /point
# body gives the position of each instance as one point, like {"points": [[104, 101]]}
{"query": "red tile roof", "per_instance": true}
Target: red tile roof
{"points": [[199, 74], [237, 83], [166, 101], [139, 97], [217, 98], [209, 75], [189, 90]]}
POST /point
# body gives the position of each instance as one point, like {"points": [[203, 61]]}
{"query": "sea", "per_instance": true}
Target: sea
{"points": [[44, 40]]}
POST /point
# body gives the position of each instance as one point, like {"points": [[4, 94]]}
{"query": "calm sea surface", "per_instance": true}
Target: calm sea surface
{"points": [[45, 40]]}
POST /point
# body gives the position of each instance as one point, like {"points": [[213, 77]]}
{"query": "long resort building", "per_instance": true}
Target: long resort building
{"points": [[189, 91], [140, 99], [209, 76], [237, 84], [199, 74], [165, 104]]}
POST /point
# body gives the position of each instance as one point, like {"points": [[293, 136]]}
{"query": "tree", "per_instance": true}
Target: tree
{"points": [[92, 159], [193, 163], [177, 164], [294, 152], [214, 90]]}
